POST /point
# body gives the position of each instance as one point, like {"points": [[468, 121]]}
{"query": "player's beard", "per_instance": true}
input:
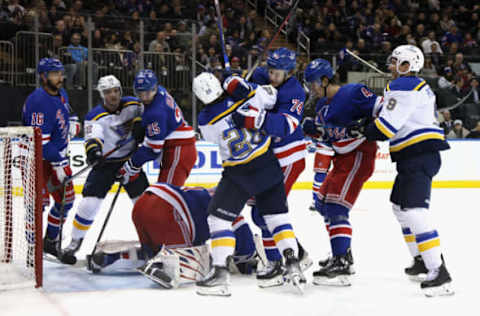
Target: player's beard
{"points": [[53, 87]]}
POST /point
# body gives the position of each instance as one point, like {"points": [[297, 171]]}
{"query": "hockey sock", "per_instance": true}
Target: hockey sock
{"points": [[317, 182], [271, 250], [282, 232], [86, 212], [340, 230], [223, 240], [427, 238], [54, 219], [406, 231]]}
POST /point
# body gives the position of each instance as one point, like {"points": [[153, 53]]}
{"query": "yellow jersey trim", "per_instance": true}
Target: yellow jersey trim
{"points": [[421, 84], [130, 103], [100, 116], [383, 128], [388, 86], [415, 140], [260, 151], [231, 109]]}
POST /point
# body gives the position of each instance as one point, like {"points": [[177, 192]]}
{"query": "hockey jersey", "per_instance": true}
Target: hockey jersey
{"points": [[109, 129], [51, 113], [164, 127], [407, 119], [283, 121], [236, 145], [351, 102], [191, 204]]}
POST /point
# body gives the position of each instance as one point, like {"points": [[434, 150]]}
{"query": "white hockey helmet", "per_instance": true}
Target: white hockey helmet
{"points": [[411, 54], [108, 82], [207, 87]]}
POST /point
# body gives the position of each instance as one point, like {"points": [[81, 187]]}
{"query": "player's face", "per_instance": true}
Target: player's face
{"points": [[112, 98], [147, 96], [54, 80], [319, 86], [276, 76], [392, 67]]}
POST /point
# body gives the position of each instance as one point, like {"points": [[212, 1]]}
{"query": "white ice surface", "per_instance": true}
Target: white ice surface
{"points": [[379, 287]]}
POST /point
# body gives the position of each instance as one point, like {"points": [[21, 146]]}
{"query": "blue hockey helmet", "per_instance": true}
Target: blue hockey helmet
{"points": [[283, 59], [145, 80], [49, 64], [317, 69]]}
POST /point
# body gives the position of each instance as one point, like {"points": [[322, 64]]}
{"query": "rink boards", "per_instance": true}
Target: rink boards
{"points": [[460, 168]]}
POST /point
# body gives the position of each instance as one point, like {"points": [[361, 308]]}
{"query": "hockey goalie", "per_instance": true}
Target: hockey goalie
{"points": [[171, 224]]}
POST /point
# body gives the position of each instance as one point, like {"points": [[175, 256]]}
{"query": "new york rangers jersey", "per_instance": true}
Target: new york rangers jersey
{"points": [[51, 113], [237, 145], [407, 119], [351, 102], [191, 205], [109, 129], [283, 121], [164, 127]]}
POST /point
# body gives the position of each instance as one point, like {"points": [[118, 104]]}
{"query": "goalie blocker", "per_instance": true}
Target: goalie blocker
{"points": [[171, 224]]}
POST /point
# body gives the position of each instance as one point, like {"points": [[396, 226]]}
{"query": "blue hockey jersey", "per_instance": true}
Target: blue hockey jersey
{"points": [[283, 121], [164, 126], [51, 113]]}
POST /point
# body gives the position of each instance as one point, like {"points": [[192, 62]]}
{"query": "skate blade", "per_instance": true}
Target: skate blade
{"points": [[266, 283], [305, 264], [443, 290], [341, 280], [219, 290], [418, 278]]}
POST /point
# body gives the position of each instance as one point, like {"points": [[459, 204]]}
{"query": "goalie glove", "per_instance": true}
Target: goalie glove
{"points": [[75, 126], [249, 116], [62, 170], [128, 172]]}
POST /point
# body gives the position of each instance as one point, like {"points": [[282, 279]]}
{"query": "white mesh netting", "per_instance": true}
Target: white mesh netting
{"points": [[17, 207]]}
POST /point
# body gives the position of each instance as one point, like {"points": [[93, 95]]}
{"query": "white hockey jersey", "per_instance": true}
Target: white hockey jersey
{"points": [[236, 145], [408, 119], [111, 128]]}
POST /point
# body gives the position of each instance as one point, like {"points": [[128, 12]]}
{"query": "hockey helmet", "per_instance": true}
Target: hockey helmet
{"points": [[145, 80], [283, 59], [207, 87], [49, 64], [411, 54], [317, 69], [108, 82]]}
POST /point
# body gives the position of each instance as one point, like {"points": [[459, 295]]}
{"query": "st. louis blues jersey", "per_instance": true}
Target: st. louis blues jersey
{"points": [[51, 113], [190, 204], [283, 121], [407, 119], [351, 103], [107, 130], [237, 145], [164, 127]]}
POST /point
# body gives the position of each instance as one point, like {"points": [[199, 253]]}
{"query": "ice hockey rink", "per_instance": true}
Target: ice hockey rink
{"points": [[379, 286]]}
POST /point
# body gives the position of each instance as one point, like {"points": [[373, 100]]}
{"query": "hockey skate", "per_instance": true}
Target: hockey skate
{"points": [[323, 263], [437, 283], [215, 283], [417, 270], [271, 275], [293, 272], [335, 273], [154, 271], [68, 254], [51, 246]]}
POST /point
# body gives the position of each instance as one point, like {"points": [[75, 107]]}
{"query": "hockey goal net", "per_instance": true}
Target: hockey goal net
{"points": [[20, 207]]}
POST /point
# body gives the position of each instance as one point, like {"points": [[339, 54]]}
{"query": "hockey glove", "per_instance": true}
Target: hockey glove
{"points": [[128, 173], [357, 128], [138, 131], [311, 128], [249, 117], [75, 126], [94, 155], [62, 170], [236, 87]]}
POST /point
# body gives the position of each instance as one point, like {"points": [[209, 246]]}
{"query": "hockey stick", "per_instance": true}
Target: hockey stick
{"points": [[456, 105], [367, 63], [260, 57], [105, 222], [222, 38]]}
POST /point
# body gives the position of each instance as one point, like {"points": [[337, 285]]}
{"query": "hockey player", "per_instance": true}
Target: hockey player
{"points": [[169, 139], [171, 224], [282, 123], [115, 120], [47, 107], [353, 162], [407, 120], [250, 169]]}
